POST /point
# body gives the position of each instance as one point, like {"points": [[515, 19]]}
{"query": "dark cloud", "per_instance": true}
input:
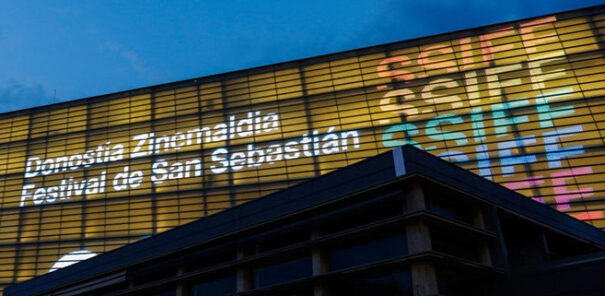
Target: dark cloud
{"points": [[15, 95]]}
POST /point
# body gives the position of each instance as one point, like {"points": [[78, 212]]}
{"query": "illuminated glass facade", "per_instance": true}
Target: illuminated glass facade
{"points": [[521, 103]]}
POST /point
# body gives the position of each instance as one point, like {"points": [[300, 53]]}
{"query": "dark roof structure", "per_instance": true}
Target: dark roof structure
{"points": [[368, 189]]}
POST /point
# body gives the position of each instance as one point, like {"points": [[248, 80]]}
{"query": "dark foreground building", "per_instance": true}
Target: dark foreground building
{"points": [[401, 223]]}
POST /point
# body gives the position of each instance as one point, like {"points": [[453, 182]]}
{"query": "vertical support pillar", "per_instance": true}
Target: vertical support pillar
{"points": [[419, 237], [414, 199], [485, 255], [181, 287], [545, 245], [478, 218], [499, 248], [424, 276], [424, 279], [320, 266], [244, 281]]}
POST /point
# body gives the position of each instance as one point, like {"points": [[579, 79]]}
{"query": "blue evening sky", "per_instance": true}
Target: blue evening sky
{"points": [[85, 48]]}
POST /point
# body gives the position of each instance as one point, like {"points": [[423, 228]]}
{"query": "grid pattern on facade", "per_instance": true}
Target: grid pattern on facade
{"points": [[522, 104]]}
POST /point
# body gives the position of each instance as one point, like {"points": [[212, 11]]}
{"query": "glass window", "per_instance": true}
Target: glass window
{"points": [[454, 282], [220, 286], [452, 208], [211, 96], [171, 292], [283, 272], [457, 243], [288, 84], [369, 251], [399, 284]]}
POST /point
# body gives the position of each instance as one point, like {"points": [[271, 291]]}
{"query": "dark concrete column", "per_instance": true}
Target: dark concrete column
{"points": [[181, 288], [424, 277], [244, 280], [485, 255], [414, 199], [478, 218], [320, 266]]}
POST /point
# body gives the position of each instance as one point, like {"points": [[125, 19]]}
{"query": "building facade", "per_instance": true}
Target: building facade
{"points": [[518, 103]]}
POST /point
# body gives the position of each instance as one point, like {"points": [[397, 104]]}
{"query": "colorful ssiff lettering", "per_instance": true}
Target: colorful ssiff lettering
{"points": [[477, 94]]}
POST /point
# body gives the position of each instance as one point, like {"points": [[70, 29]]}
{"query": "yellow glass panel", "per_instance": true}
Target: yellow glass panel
{"points": [[58, 120], [20, 128], [39, 124], [119, 112], [140, 216], [323, 117], [30, 229], [369, 70], [164, 130], [116, 218], [71, 223], [293, 120], [7, 263], [600, 24], [502, 46], [12, 191], [167, 209], [589, 73], [300, 168], [288, 84], [211, 124], [213, 169], [4, 158], [139, 177], [140, 108], [438, 58], [184, 136], [470, 53], [77, 118], [191, 206], [26, 268], [579, 42], [192, 176], [211, 96], [95, 220], [540, 39], [98, 113], [402, 65], [187, 101], [5, 124], [346, 74], [217, 200], [262, 88], [246, 194], [141, 131], [244, 169], [318, 78], [247, 125], [100, 182], [10, 226], [237, 92], [16, 159], [164, 105]]}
